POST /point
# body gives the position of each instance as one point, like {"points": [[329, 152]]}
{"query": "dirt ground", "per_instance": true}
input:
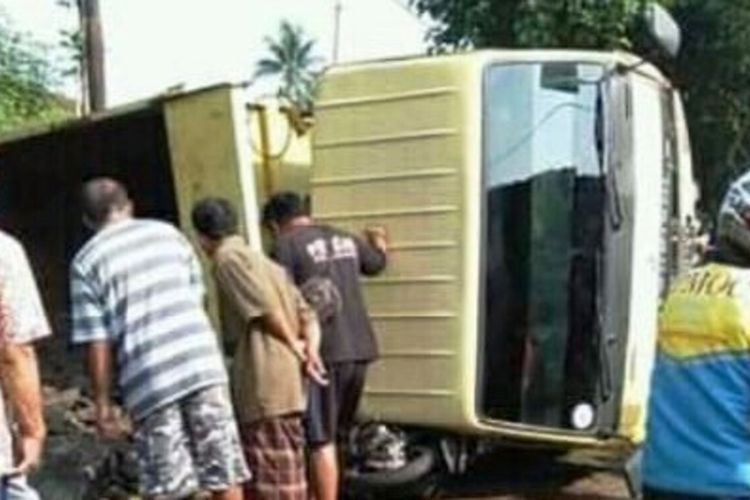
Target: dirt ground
{"points": [[79, 466], [536, 482], [76, 464]]}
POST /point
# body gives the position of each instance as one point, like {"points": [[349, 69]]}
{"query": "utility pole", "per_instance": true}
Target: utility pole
{"points": [[80, 57], [93, 45], [336, 30]]}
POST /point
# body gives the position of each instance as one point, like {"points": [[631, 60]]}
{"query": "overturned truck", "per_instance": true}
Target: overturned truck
{"points": [[535, 202]]}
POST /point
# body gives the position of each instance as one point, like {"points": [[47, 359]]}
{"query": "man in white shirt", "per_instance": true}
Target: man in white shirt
{"points": [[22, 321]]}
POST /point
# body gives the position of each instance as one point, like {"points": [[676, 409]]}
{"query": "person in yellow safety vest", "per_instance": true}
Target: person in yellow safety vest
{"points": [[698, 442]]}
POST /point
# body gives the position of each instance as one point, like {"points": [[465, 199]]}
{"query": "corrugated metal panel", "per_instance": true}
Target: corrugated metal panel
{"points": [[389, 150]]}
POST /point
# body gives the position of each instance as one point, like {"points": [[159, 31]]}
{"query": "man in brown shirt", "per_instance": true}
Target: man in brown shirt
{"points": [[277, 339]]}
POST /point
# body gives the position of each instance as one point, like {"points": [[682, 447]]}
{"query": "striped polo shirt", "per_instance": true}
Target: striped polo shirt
{"points": [[137, 283]]}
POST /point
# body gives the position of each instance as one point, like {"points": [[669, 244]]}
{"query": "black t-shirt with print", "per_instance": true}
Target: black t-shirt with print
{"points": [[309, 251]]}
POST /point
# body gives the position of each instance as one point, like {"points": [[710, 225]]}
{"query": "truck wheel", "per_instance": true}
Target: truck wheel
{"points": [[407, 478]]}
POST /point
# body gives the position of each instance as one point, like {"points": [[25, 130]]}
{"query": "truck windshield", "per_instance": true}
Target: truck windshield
{"points": [[543, 229]]}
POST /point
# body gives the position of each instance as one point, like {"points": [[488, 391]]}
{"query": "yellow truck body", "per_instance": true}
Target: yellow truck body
{"points": [[399, 143]]}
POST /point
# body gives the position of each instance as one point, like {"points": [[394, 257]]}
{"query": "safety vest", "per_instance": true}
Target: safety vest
{"points": [[698, 439]]}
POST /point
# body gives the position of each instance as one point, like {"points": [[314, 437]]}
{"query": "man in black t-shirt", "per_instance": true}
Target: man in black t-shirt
{"points": [[309, 250]]}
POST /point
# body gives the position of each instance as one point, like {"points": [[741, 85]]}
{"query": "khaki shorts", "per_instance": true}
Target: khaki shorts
{"points": [[190, 445]]}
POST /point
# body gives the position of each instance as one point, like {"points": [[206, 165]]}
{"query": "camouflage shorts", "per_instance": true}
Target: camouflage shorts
{"points": [[190, 445]]}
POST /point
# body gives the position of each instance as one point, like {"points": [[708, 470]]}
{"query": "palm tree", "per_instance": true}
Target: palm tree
{"points": [[292, 60]]}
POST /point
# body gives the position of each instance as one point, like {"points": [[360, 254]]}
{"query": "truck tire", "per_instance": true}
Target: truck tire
{"points": [[421, 463]]}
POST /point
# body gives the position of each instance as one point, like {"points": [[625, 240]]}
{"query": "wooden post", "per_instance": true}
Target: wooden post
{"points": [[94, 54]]}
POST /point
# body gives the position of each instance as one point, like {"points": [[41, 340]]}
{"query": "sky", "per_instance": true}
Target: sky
{"points": [[151, 45]]}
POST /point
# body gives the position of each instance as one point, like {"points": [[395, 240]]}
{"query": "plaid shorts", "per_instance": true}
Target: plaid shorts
{"points": [[190, 445], [275, 451]]}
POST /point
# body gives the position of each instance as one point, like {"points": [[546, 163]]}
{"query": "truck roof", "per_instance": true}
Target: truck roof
{"points": [[485, 56], [479, 57], [108, 114]]}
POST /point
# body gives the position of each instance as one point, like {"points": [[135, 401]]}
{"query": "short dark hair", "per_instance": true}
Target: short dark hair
{"points": [[214, 218], [100, 196], [283, 207]]}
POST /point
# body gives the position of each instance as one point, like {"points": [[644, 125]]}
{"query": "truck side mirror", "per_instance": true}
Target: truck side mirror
{"points": [[663, 28]]}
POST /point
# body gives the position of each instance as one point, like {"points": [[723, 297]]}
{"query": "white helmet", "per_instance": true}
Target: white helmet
{"points": [[733, 224]]}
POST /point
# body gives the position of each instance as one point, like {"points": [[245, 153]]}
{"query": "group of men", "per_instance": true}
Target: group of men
{"points": [[300, 342], [294, 329]]}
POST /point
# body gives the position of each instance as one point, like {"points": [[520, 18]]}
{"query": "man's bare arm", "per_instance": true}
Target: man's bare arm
{"points": [[308, 326], [20, 381], [277, 326], [20, 378], [311, 333], [100, 372], [300, 344], [373, 251]]}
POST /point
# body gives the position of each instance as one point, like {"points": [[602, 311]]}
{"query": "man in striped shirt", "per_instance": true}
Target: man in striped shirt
{"points": [[137, 299]]}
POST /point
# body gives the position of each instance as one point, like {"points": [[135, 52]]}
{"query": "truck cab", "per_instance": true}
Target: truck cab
{"points": [[535, 202]]}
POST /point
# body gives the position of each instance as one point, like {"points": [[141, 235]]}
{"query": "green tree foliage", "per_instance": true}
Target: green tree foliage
{"points": [[712, 71], [72, 42], [73, 45], [292, 60], [26, 77], [531, 23]]}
